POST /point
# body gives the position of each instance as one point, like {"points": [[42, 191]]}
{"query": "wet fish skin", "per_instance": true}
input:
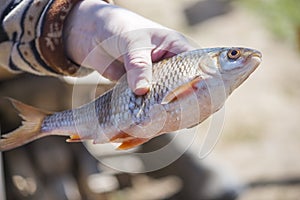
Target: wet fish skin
{"points": [[186, 89]]}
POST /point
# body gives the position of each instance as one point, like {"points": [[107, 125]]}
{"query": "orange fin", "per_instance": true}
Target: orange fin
{"points": [[132, 143], [119, 137], [28, 131], [127, 140], [74, 138], [181, 91]]}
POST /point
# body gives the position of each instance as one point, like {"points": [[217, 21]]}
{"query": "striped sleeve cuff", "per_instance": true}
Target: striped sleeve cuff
{"points": [[31, 37], [50, 43]]}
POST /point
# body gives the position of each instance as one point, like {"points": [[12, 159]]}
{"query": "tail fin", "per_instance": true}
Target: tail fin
{"points": [[28, 131]]}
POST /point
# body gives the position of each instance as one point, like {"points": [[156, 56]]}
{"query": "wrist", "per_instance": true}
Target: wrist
{"points": [[80, 27]]}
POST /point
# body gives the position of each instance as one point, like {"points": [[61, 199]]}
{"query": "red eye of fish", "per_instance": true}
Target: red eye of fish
{"points": [[233, 54]]}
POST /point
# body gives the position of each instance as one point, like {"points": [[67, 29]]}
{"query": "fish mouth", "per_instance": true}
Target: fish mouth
{"points": [[253, 61], [256, 54], [255, 57]]}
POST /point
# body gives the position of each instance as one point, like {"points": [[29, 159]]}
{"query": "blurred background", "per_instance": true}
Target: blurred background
{"points": [[257, 154]]}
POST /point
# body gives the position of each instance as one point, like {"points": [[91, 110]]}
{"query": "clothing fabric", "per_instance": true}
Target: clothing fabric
{"points": [[31, 37]]}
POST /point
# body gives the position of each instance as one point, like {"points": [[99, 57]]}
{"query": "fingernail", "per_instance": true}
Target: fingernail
{"points": [[142, 87]]}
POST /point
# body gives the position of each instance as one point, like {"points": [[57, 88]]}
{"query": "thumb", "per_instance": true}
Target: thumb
{"points": [[138, 66]]}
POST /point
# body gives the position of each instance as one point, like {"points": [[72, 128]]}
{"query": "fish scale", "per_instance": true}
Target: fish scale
{"points": [[186, 89]]}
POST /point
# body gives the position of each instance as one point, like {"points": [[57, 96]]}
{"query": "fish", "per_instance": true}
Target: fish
{"points": [[186, 89]]}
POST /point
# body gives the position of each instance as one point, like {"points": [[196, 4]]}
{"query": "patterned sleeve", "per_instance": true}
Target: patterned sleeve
{"points": [[31, 37]]}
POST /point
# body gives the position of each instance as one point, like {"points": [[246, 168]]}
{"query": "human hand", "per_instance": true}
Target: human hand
{"points": [[104, 37]]}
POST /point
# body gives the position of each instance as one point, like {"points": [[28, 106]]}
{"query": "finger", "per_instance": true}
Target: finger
{"points": [[169, 43], [114, 71], [138, 66], [106, 65]]}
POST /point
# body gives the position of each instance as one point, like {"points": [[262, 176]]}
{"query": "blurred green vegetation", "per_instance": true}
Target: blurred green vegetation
{"points": [[281, 16]]}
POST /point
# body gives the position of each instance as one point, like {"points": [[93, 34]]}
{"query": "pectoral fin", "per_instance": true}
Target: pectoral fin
{"points": [[181, 91]]}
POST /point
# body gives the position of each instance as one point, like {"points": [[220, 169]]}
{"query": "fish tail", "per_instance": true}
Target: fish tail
{"points": [[29, 130]]}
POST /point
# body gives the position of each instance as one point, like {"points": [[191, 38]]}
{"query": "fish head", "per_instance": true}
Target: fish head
{"points": [[230, 65], [222, 71]]}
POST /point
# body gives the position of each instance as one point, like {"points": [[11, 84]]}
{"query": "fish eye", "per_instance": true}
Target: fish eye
{"points": [[234, 54]]}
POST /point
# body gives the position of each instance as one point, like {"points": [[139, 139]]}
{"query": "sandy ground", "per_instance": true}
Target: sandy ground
{"points": [[261, 137]]}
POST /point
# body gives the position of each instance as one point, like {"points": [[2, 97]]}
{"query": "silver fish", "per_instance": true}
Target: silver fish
{"points": [[186, 89]]}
